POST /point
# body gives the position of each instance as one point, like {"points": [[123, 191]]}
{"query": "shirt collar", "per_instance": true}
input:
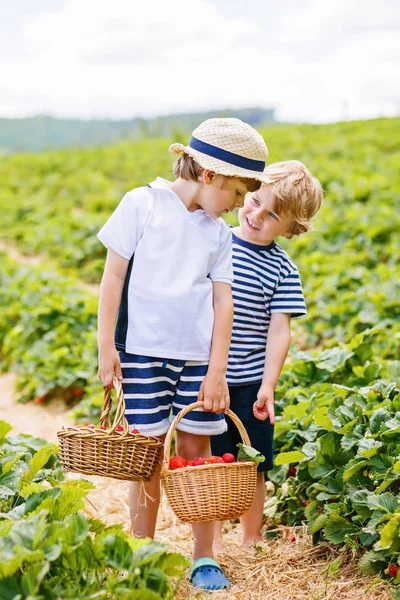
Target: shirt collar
{"points": [[161, 184]]}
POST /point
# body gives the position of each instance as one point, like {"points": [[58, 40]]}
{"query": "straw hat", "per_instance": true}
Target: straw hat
{"points": [[227, 147]]}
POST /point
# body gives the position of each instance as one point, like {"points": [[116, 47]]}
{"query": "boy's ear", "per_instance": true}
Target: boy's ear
{"points": [[207, 176]]}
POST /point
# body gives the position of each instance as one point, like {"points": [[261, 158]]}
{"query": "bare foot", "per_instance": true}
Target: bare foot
{"points": [[218, 545]]}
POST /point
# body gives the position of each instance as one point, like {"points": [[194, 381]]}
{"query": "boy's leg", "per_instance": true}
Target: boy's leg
{"points": [[143, 509], [149, 385], [193, 440], [190, 446], [218, 543], [220, 444], [252, 520]]}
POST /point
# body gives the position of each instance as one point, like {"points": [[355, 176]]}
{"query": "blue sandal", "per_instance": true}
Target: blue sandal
{"points": [[206, 573]]}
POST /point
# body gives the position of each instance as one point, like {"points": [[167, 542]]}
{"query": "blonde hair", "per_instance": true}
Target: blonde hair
{"points": [[185, 167], [296, 193]]}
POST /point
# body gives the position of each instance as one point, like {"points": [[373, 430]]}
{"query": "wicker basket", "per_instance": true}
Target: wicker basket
{"points": [[209, 492], [110, 453]]}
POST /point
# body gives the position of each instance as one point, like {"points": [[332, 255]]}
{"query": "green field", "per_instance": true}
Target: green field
{"points": [[338, 400]]}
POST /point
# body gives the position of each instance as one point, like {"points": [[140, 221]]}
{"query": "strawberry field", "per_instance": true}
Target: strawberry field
{"points": [[337, 435]]}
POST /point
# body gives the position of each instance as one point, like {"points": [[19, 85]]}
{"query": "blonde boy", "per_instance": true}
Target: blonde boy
{"points": [[267, 292]]}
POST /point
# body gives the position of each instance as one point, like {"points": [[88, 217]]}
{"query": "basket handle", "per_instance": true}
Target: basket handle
{"points": [[182, 413], [119, 415]]}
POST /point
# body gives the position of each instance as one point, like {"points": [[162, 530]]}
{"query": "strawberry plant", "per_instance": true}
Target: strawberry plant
{"points": [[49, 549]]}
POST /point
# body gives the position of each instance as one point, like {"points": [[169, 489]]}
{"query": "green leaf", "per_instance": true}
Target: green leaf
{"points": [[391, 531], [32, 578], [118, 552], [359, 500], [377, 418], [321, 418], [173, 564], [353, 466], [271, 507], [372, 562], [36, 463], [4, 429], [337, 528], [393, 369], [333, 359], [318, 524], [368, 447], [13, 458], [249, 453], [287, 458], [387, 502]]}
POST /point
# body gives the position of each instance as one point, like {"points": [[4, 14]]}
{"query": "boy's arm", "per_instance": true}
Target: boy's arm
{"points": [[278, 341], [111, 288], [214, 389]]}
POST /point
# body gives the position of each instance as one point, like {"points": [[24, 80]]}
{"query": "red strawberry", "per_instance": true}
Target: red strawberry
{"points": [[119, 428], [41, 399], [190, 462], [135, 431], [293, 538], [393, 570], [292, 471], [213, 460], [177, 463], [90, 426], [76, 391], [102, 427], [199, 461], [228, 458], [319, 511], [308, 502]]}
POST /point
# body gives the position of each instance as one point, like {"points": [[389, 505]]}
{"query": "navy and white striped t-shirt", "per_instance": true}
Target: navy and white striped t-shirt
{"points": [[265, 281]]}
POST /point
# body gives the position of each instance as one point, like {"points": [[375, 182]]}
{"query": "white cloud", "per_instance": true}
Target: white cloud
{"points": [[127, 58]]}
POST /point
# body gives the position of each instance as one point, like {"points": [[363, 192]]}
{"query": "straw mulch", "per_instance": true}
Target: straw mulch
{"points": [[279, 569]]}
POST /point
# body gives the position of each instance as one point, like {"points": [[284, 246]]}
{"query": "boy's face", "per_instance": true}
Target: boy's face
{"points": [[222, 194], [258, 222]]}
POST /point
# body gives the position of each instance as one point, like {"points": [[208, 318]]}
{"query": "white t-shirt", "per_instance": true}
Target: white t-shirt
{"points": [[166, 308]]}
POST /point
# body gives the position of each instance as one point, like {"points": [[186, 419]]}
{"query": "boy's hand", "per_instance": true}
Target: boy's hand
{"points": [[214, 393], [263, 407], [109, 364]]}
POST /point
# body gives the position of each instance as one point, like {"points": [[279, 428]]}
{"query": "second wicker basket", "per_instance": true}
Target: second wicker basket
{"points": [[213, 492]]}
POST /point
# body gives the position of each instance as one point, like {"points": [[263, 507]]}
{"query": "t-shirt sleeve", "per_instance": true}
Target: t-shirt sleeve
{"points": [[124, 228], [288, 296], [222, 269]]}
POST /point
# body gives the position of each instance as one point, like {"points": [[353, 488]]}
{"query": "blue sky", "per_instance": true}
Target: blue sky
{"points": [[313, 60]]}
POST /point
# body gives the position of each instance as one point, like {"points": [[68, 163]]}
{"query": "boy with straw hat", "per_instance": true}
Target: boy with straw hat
{"points": [[168, 277]]}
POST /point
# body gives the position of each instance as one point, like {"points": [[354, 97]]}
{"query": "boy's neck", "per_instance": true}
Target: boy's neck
{"points": [[238, 231], [187, 192]]}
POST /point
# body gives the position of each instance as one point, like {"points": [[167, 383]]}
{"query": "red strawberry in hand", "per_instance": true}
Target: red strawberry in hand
{"points": [[228, 458], [177, 463]]}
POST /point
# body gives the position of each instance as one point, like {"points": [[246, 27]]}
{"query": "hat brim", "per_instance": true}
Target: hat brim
{"points": [[221, 167]]}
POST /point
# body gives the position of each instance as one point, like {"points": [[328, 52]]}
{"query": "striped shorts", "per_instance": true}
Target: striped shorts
{"points": [[156, 389]]}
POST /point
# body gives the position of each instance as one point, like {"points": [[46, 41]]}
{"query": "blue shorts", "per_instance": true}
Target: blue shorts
{"points": [[261, 433], [156, 387]]}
